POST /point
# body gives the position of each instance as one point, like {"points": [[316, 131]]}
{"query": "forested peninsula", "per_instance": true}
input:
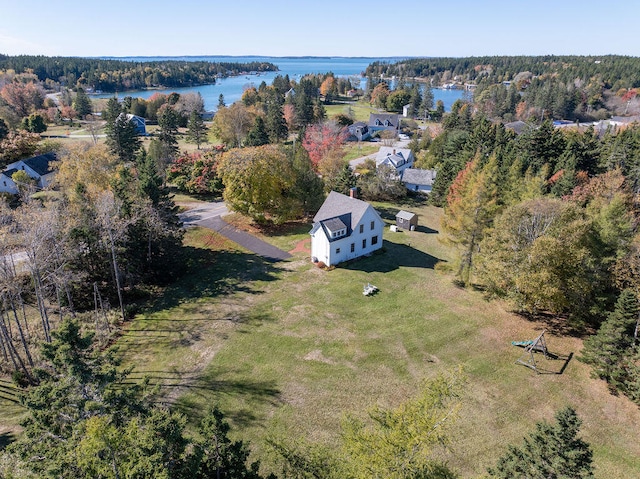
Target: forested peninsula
{"points": [[121, 75]]}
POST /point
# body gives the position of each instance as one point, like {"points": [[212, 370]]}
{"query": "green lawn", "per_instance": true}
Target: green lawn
{"points": [[287, 349], [359, 110]]}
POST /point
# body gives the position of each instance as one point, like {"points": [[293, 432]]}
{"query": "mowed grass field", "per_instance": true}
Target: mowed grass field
{"points": [[286, 349]]}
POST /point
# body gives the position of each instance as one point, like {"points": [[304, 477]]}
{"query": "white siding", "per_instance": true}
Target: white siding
{"points": [[327, 252]]}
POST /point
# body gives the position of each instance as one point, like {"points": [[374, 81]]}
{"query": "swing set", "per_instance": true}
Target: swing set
{"points": [[528, 358]]}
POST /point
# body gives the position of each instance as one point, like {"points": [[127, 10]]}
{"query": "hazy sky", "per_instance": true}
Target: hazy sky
{"points": [[323, 28]]}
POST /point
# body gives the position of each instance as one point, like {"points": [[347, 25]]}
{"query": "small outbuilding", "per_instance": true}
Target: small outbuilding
{"points": [[406, 220]]}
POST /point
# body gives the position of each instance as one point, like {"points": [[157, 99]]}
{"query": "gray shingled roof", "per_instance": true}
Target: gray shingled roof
{"points": [[338, 204], [418, 177], [393, 154]]}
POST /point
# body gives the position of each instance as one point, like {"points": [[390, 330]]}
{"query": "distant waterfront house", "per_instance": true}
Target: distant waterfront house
{"points": [[345, 228], [359, 131], [398, 158], [384, 122], [417, 180], [140, 124], [37, 167]]}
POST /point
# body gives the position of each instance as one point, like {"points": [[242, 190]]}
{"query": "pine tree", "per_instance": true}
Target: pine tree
{"points": [[196, 129], [122, 138], [258, 135], [168, 122], [614, 340], [82, 104], [552, 451]]}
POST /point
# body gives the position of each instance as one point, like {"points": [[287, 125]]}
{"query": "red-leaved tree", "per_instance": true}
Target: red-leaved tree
{"points": [[323, 139]]}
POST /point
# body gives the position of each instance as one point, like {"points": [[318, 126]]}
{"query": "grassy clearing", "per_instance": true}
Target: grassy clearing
{"points": [[287, 349], [360, 111]]}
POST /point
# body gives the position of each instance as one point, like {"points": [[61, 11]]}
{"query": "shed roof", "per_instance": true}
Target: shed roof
{"points": [[405, 215]]}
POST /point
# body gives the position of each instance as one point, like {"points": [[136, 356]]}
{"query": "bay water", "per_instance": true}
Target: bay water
{"points": [[296, 67]]}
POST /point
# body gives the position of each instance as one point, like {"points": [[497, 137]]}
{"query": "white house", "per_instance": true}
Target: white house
{"points": [[398, 158], [7, 185], [420, 181], [345, 228], [37, 167]]}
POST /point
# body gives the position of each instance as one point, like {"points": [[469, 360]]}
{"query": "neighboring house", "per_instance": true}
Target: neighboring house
{"points": [[359, 131], [139, 122], [516, 126], [384, 122], [418, 180], [7, 185], [398, 158], [37, 167], [407, 220], [345, 228]]}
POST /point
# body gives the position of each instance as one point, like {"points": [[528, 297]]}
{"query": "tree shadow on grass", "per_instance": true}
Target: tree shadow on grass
{"points": [[558, 325], [214, 273], [197, 390], [6, 438], [391, 257]]}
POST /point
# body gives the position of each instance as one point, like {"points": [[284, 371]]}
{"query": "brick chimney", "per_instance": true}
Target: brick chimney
{"points": [[353, 192], [394, 151]]}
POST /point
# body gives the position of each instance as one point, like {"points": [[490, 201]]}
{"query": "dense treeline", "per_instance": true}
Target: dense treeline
{"points": [[615, 71], [122, 75], [518, 88], [548, 219]]}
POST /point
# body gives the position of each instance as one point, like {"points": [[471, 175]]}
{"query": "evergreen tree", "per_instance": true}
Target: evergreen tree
{"points": [[258, 135], [275, 122], [344, 181], [4, 129], [122, 138], [34, 123], [614, 340], [552, 451], [196, 129], [221, 103], [168, 121], [82, 104]]}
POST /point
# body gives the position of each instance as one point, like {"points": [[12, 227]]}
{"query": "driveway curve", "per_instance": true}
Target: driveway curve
{"points": [[209, 215]]}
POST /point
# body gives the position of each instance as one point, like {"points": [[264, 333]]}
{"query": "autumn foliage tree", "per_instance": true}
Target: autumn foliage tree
{"points": [[322, 140], [197, 173], [23, 98], [471, 207], [264, 183]]}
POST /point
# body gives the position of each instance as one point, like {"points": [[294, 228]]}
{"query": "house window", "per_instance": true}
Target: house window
{"points": [[373, 224], [374, 240], [353, 247], [337, 250], [361, 228], [364, 243]]}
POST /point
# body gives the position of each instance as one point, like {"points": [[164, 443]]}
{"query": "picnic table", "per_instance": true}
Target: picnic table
{"points": [[369, 289]]}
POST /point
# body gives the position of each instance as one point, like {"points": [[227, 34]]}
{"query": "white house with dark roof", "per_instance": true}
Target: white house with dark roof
{"points": [[418, 180], [345, 228], [37, 167], [398, 158], [384, 121]]}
